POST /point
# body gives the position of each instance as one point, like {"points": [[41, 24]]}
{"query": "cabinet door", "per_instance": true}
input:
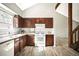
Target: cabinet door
{"points": [[37, 21], [30, 40], [42, 20], [27, 23], [49, 23], [21, 43], [16, 46], [33, 22], [15, 21], [18, 21], [24, 40], [49, 40]]}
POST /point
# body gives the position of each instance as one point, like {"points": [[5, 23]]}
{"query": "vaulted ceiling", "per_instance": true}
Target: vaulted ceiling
{"points": [[21, 6], [63, 9]]}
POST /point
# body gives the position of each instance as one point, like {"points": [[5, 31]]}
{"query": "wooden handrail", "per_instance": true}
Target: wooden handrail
{"points": [[75, 44], [78, 36], [77, 28], [74, 32], [57, 5]]}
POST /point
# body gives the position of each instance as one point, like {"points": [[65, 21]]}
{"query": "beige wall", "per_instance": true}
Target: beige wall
{"points": [[47, 10], [63, 9], [39, 10]]}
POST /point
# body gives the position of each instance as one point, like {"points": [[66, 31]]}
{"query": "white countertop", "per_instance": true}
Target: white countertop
{"points": [[10, 37]]}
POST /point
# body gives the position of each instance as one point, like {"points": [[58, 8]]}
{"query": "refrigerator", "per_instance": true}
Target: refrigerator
{"points": [[39, 35]]}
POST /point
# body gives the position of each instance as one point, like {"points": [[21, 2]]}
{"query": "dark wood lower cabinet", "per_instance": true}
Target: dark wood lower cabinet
{"points": [[16, 46], [19, 44], [30, 40], [24, 40], [49, 40]]}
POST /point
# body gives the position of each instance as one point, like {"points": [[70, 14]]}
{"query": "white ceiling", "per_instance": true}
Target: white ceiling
{"points": [[24, 6]]}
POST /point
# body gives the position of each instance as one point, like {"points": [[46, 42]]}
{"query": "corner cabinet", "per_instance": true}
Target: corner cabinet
{"points": [[17, 21], [30, 40], [19, 44], [16, 46], [22, 42]]}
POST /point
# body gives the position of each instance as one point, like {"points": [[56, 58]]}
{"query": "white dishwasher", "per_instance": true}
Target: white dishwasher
{"points": [[7, 48]]}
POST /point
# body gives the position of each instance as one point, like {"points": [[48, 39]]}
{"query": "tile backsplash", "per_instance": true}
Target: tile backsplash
{"points": [[7, 32], [3, 31], [28, 30]]}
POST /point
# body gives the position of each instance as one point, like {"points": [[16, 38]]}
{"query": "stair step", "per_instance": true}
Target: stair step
{"points": [[75, 46]]}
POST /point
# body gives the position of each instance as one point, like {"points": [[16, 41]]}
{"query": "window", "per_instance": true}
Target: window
{"points": [[6, 22]]}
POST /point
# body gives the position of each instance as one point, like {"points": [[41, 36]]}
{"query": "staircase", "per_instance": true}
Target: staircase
{"points": [[63, 9], [75, 44]]}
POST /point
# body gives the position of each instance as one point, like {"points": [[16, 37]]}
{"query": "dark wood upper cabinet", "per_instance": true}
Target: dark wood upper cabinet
{"points": [[48, 22], [33, 22], [18, 21], [27, 23], [37, 21], [30, 22], [49, 40]]}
